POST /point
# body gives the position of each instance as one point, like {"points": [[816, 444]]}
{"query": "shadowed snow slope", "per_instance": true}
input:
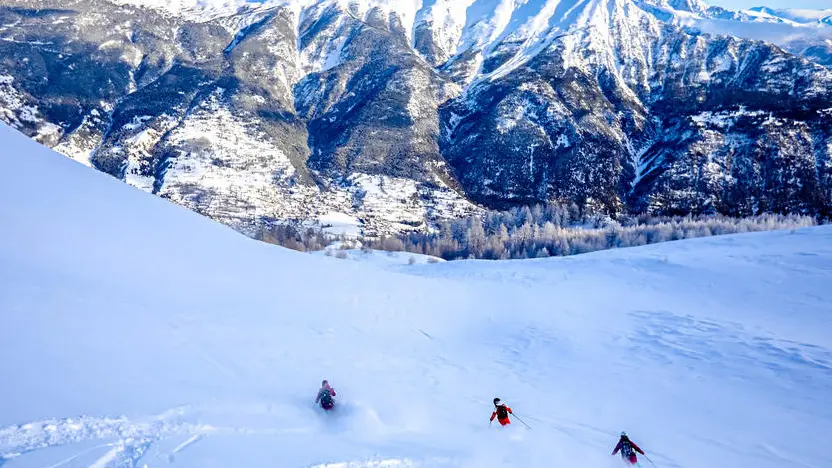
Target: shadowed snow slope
{"points": [[135, 333]]}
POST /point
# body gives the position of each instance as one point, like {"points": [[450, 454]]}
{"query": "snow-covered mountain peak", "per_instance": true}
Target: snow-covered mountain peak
{"points": [[198, 9], [493, 21], [690, 5], [401, 13], [509, 33], [404, 11], [802, 32], [693, 6], [800, 16], [443, 29]]}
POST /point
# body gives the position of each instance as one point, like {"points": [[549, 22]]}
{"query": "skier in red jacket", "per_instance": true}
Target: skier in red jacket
{"points": [[501, 412], [628, 449]]}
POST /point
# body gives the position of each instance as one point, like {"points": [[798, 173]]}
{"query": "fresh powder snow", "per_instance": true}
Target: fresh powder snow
{"points": [[137, 333]]}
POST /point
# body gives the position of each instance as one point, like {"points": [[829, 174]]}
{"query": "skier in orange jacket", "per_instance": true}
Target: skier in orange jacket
{"points": [[501, 412]]}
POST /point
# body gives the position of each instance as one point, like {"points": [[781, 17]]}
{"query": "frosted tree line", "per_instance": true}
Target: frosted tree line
{"points": [[554, 230], [544, 231]]}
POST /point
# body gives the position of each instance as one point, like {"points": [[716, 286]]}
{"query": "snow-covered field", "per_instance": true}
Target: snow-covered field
{"points": [[136, 333], [378, 258]]}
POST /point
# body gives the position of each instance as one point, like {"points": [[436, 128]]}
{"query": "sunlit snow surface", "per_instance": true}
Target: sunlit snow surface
{"points": [[135, 333]]}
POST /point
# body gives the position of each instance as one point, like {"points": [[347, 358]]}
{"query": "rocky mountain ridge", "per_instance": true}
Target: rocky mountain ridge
{"points": [[387, 116]]}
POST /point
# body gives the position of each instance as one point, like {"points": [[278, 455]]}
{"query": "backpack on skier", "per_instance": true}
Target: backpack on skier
{"points": [[327, 402], [326, 396], [501, 412], [628, 449]]}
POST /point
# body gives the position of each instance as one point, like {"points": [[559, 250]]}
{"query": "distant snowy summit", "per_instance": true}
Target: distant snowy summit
{"points": [[204, 9], [456, 10], [455, 26], [803, 32], [808, 17]]}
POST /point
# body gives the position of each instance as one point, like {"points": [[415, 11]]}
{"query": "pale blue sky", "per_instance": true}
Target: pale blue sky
{"points": [[738, 4]]}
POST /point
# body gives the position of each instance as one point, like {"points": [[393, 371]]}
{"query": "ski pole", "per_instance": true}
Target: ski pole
{"points": [[524, 422], [648, 459]]}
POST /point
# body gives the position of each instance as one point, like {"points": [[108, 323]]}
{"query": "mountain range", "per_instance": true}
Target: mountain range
{"points": [[388, 116]]}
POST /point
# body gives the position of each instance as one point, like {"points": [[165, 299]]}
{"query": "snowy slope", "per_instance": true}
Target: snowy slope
{"points": [[179, 342]]}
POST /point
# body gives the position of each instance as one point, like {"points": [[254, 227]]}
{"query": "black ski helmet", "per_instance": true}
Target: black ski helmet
{"points": [[496, 401]]}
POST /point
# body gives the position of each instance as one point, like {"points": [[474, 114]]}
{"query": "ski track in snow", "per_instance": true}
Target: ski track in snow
{"points": [[127, 440], [386, 463], [194, 439]]}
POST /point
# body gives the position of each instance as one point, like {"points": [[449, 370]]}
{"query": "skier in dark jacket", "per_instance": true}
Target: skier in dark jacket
{"points": [[325, 395], [628, 449], [501, 412]]}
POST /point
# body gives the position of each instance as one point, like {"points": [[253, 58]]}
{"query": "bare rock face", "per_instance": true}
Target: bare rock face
{"points": [[391, 116]]}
